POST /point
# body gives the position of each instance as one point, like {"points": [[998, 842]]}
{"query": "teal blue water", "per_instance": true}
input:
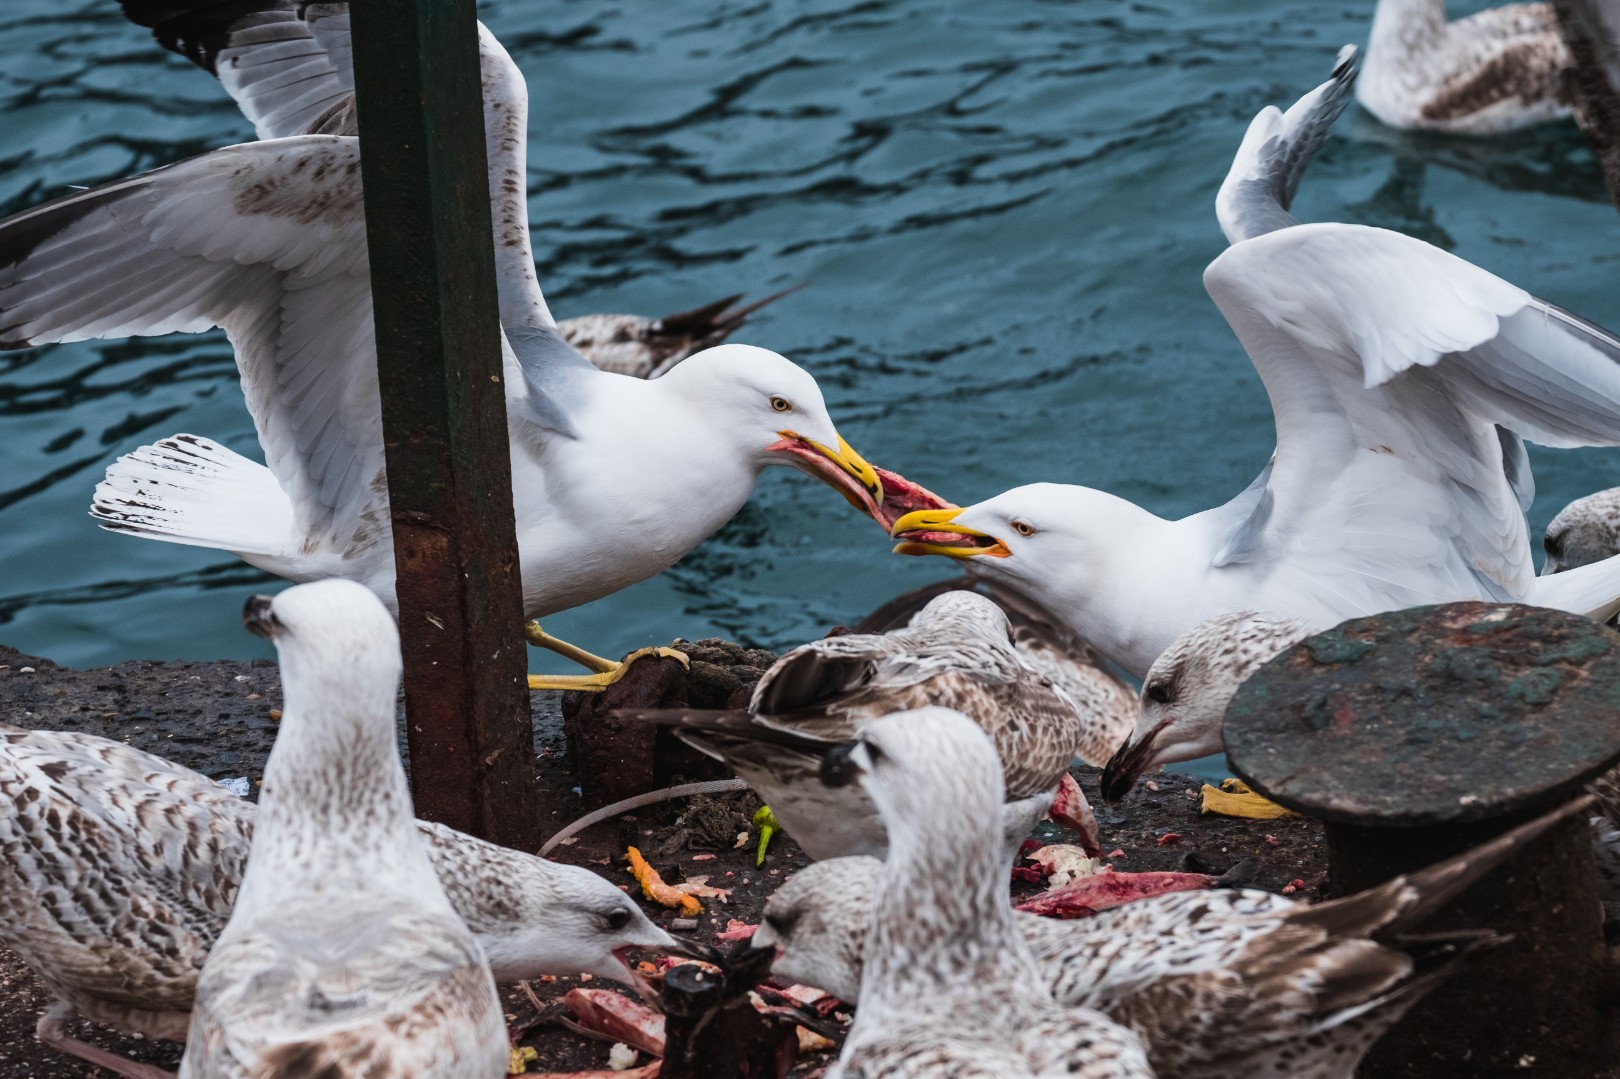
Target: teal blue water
{"points": [[1002, 211]]}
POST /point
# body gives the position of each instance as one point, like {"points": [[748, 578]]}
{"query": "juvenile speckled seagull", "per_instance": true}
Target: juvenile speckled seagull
{"points": [[1186, 691], [614, 478], [289, 68], [950, 986], [1223, 984], [1498, 70], [1402, 380], [956, 652], [1043, 641], [1585, 531], [343, 955], [116, 907]]}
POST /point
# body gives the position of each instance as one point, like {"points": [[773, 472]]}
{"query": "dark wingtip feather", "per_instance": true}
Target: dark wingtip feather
{"points": [[200, 29]]}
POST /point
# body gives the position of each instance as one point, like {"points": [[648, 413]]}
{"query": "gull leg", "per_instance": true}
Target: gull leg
{"points": [[52, 1031], [607, 671], [1233, 798]]}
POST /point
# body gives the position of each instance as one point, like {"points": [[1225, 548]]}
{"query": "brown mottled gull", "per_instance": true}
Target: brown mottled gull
{"points": [[1224, 984], [342, 955], [1583, 532], [117, 907], [949, 985], [956, 652], [1496, 70], [1186, 691], [1104, 699]]}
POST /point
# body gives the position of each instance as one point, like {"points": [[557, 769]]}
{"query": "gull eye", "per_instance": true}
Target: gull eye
{"points": [[1023, 528], [1158, 693], [616, 919], [1553, 544], [781, 404]]}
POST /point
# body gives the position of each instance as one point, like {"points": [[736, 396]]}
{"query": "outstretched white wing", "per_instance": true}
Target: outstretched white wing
{"points": [[1390, 364], [265, 239]]}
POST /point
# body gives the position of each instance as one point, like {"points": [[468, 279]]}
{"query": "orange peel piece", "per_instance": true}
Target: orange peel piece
{"points": [[654, 888]]}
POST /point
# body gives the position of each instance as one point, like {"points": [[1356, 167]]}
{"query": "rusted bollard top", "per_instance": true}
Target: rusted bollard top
{"points": [[1433, 715]]}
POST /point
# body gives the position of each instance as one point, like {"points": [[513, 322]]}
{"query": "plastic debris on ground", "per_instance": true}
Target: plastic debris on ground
{"points": [[1233, 798]]}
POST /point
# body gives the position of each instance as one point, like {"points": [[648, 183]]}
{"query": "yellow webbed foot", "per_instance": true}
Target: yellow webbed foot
{"points": [[596, 683], [1233, 798]]}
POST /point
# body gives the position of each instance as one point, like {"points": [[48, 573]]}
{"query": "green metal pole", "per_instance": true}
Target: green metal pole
{"points": [[418, 91]]}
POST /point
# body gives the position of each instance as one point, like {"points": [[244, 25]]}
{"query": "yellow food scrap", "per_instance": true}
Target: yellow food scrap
{"points": [[1233, 798], [654, 888], [765, 821], [519, 1058]]}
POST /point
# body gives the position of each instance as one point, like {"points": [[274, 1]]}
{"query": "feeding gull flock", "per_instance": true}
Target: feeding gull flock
{"points": [[326, 932]]}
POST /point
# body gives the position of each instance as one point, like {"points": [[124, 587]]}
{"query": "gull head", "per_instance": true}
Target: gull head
{"points": [[928, 770], [816, 924], [336, 643], [773, 411], [563, 919], [1186, 691], [1053, 539], [1585, 531]]}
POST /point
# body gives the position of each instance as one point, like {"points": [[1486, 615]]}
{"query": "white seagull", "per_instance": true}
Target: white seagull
{"points": [[94, 899], [950, 986], [343, 955], [289, 67], [614, 478], [1498, 70], [1402, 380]]}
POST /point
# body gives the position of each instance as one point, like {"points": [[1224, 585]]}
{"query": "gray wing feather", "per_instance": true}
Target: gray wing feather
{"points": [[1265, 174], [266, 240]]}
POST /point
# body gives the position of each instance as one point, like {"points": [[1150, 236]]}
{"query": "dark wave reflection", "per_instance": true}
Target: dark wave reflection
{"points": [[1002, 211]]}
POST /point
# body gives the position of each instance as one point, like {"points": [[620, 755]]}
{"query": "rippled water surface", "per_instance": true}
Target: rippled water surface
{"points": [[1002, 211]]}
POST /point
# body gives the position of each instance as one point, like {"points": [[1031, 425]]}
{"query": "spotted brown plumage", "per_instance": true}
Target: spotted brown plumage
{"points": [[949, 985], [342, 954], [956, 652], [1185, 692], [116, 904], [1106, 703], [1223, 984], [1497, 70], [644, 347], [1583, 532]]}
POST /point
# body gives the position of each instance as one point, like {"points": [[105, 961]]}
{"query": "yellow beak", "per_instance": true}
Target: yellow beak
{"points": [[850, 462], [938, 521]]}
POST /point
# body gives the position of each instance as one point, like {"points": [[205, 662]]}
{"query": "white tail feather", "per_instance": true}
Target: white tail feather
{"points": [[1592, 590], [188, 489]]}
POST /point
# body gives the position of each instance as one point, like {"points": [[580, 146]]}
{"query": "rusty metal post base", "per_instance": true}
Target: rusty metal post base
{"points": [[618, 758], [713, 1031], [1532, 1006], [1418, 734]]}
